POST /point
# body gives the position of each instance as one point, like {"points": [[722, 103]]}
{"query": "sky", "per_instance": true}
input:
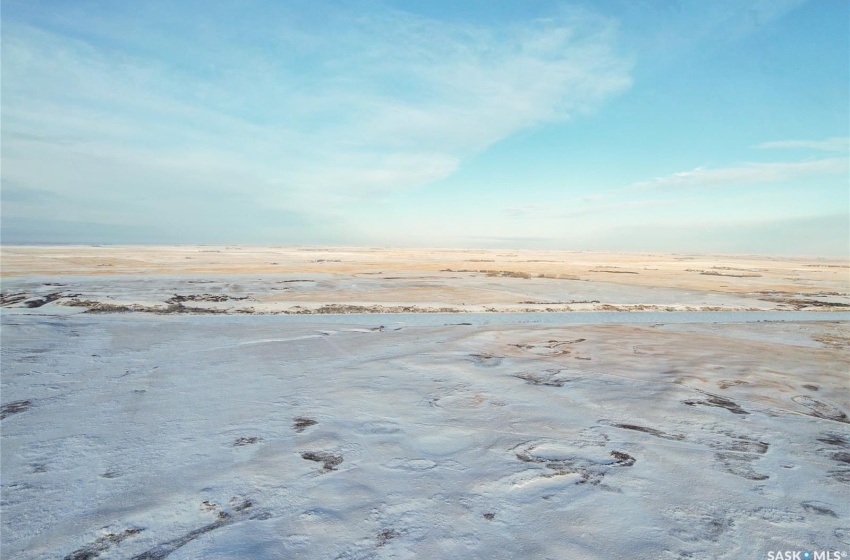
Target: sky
{"points": [[623, 125]]}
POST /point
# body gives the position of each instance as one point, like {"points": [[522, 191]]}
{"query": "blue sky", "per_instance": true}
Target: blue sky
{"points": [[659, 125]]}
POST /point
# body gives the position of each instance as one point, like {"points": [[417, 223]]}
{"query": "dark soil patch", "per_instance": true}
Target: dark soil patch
{"points": [[821, 409], [246, 440], [14, 407], [44, 300], [540, 379], [841, 475], [650, 431], [165, 549], [329, 461], [719, 402], [10, 299], [203, 297], [98, 307], [387, 535], [548, 378], [835, 439], [816, 303], [623, 459], [301, 423], [816, 507], [841, 457], [102, 544]]}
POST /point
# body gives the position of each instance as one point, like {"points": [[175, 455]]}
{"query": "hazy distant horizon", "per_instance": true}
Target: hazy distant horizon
{"points": [[412, 247], [715, 127]]}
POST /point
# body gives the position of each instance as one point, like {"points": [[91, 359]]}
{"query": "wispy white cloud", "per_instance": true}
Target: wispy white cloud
{"points": [[746, 174], [677, 187], [836, 144], [300, 117], [528, 210], [612, 207]]}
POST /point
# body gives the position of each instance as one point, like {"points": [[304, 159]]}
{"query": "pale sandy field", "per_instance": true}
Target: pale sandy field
{"points": [[281, 279]]}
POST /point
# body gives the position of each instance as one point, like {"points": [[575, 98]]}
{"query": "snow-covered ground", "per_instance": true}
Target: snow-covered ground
{"points": [[351, 293], [132, 435]]}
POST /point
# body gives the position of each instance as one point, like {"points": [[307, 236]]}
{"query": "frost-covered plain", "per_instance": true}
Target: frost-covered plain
{"points": [[134, 435]]}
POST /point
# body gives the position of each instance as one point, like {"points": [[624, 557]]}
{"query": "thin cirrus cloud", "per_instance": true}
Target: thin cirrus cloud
{"points": [[739, 175], [746, 174], [399, 101], [836, 144]]}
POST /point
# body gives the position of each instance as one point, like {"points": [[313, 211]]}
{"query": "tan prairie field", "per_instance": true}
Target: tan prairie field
{"points": [[454, 280]]}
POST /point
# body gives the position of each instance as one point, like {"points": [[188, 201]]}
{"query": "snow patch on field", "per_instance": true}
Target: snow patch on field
{"points": [[234, 437]]}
